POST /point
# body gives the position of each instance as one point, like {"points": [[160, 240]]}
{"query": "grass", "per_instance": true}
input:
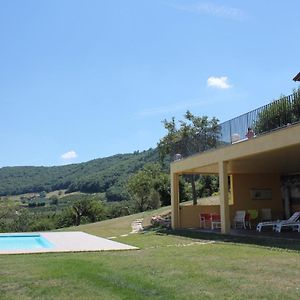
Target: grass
{"points": [[118, 226], [170, 265]]}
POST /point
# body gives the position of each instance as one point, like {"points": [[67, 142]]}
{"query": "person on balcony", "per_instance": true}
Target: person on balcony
{"points": [[250, 133]]}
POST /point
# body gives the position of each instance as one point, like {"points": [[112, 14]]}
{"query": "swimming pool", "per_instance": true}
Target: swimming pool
{"points": [[23, 242]]}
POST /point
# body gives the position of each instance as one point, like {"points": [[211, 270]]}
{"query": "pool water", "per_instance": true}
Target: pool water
{"points": [[23, 242]]}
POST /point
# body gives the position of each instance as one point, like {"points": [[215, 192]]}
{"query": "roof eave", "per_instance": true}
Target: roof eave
{"points": [[297, 77]]}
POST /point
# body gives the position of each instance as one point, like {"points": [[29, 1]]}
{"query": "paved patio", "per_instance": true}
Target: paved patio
{"points": [[289, 235], [76, 241]]}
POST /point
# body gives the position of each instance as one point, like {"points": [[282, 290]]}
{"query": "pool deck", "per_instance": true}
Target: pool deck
{"points": [[75, 241]]}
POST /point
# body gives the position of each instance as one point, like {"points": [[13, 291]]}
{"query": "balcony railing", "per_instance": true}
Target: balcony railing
{"points": [[273, 116]]}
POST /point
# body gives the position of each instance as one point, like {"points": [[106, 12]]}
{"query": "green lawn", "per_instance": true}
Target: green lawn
{"points": [[170, 265]]}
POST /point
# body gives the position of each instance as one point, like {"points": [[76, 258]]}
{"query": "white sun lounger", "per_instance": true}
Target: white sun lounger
{"points": [[293, 219], [295, 226]]}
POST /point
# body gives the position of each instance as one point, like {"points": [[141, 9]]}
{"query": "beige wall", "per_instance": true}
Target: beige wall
{"points": [[241, 186], [243, 183], [189, 214]]}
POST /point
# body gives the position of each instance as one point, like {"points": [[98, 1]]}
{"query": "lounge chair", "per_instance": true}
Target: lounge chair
{"points": [[294, 218], [294, 225]]}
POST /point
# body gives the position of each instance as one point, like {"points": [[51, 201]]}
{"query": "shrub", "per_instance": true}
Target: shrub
{"points": [[279, 113]]}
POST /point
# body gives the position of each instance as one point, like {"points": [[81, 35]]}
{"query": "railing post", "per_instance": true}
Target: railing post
{"points": [[230, 133]]}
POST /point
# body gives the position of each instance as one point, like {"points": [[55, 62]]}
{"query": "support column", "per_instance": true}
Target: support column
{"points": [[175, 200], [224, 204]]}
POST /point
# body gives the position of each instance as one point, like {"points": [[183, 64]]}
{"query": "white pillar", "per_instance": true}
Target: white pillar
{"points": [[224, 205], [175, 200]]}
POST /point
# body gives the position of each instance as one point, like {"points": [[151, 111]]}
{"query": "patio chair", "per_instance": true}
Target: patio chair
{"points": [[251, 215], [293, 219], [240, 219], [265, 214], [215, 221], [205, 220], [294, 225]]}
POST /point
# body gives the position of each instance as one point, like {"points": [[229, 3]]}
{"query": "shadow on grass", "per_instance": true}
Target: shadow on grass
{"points": [[266, 241]]}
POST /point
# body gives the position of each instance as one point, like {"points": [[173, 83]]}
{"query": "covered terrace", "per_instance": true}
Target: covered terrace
{"points": [[254, 164]]}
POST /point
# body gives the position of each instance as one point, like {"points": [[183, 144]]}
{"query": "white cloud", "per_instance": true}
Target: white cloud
{"points": [[179, 106], [212, 9], [69, 155], [218, 82]]}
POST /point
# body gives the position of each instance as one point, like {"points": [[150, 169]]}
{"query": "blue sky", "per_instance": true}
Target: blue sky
{"points": [[86, 79]]}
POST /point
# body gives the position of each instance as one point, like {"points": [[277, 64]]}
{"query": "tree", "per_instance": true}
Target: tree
{"points": [[119, 209], [14, 219], [54, 200], [22, 221], [82, 207], [66, 218], [85, 207], [207, 185], [162, 185], [7, 215], [144, 188], [194, 135]]}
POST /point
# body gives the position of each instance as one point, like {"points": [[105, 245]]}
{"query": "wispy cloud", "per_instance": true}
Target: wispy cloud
{"points": [[218, 82], [179, 106], [69, 155], [213, 9]]}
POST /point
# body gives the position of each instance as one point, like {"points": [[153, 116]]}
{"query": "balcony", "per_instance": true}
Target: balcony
{"points": [[268, 118]]}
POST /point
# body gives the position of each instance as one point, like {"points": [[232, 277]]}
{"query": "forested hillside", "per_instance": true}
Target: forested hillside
{"points": [[99, 175]]}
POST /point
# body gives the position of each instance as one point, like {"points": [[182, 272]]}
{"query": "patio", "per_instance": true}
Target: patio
{"points": [[287, 235], [284, 240]]}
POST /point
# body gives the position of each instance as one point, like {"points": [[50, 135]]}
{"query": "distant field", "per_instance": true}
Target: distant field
{"points": [[170, 265], [24, 201], [58, 193]]}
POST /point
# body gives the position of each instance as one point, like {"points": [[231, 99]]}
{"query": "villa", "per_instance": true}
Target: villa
{"points": [[257, 172]]}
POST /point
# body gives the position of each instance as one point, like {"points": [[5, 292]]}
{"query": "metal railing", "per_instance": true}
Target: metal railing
{"points": [[273, 116]]}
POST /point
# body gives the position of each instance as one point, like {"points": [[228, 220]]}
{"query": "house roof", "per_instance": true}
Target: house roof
{"points": [[297, 77]]}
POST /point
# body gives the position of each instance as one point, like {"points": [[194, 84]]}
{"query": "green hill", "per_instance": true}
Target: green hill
{"points": [[99, 175]]}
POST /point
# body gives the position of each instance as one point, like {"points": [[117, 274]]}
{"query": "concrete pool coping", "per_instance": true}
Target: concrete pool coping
{"points": [[71, 241]]}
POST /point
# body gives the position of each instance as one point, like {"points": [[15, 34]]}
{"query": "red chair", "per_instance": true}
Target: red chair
{"points": [[215, 221], [205, 220]]}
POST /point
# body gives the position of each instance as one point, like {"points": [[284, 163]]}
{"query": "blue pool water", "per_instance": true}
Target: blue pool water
{"points": [[23, 242]]}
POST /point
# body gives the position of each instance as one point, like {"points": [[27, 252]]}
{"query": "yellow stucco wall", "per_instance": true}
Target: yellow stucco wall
{"points": [[242, 184], [189, 214]]}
